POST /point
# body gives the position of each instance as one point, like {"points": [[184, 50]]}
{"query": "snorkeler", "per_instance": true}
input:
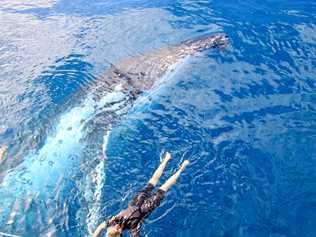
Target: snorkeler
{"points": [[142, 205]]}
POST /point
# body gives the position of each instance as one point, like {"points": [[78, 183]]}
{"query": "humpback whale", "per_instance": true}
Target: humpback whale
{"points": [[44, 194], [139, 74]]}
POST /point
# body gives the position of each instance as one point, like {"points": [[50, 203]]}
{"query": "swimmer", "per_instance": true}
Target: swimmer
{"points": [[142, 205]]}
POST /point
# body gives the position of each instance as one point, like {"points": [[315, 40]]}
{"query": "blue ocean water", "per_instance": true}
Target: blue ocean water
{"points": [[243, 115]]}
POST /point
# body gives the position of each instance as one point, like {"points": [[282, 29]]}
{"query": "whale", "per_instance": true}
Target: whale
{"points": [[54, 189]]}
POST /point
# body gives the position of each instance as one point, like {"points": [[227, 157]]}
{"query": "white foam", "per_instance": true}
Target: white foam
{"points": [[99, 174], [57, 155]]}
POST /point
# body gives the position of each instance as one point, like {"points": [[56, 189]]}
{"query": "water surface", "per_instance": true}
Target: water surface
{"points": [[244, 116]]}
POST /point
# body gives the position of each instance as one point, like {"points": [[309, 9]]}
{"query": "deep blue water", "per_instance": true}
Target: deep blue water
{"points": [[245, 117]]}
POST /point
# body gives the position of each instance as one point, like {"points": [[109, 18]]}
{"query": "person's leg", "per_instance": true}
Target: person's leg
{"points": [[146, 192], [172, 180], [151, 203], [157, 174]]}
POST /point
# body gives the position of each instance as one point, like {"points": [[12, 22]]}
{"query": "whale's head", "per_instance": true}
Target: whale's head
{"points": [[206, 42]]}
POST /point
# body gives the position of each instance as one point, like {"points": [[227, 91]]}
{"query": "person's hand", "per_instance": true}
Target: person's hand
{"points": [[104, 224], [111, 220], [99, 229]]}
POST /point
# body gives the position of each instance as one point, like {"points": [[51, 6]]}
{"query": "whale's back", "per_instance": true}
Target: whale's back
{"points": [[139, 73]]}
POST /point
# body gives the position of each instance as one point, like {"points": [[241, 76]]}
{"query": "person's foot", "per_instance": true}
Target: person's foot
{"points": [[184, 164], [167, 157]]}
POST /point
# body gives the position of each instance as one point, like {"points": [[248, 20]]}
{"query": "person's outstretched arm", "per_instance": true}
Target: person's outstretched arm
{"points": [[101, 227], [173, 179], [157, 174]]}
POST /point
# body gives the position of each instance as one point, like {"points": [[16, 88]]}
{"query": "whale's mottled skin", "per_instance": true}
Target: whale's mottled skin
{"points": [[36, 196], [140, 73]]}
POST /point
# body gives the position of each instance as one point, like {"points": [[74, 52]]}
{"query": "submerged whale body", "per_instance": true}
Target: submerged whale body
{"points": [[43, 194], [139, 74]]}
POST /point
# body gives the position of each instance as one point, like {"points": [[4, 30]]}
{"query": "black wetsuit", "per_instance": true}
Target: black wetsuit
{"points": [[142, 205]]}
